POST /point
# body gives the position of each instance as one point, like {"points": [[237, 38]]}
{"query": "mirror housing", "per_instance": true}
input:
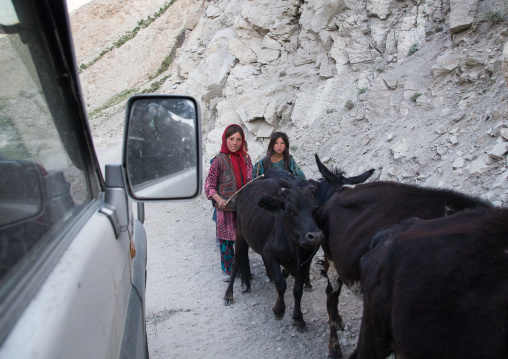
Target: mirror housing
{"points": [[162, 148]]}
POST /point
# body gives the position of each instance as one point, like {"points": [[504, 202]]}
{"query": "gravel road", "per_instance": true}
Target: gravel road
{"points": [[186, 317]]}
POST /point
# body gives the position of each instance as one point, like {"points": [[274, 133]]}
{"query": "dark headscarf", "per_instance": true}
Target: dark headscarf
{"points": [[238, 157]]}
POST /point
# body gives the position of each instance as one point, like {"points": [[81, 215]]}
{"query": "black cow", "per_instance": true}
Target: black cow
{"points": [[437, 289], [277, 236], [330, 183], [276, 219], [350, 219]]}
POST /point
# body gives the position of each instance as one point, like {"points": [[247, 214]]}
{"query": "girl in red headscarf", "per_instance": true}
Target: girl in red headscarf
{"points": [[230, 170]]}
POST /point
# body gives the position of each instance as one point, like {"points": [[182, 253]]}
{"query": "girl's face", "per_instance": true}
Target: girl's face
{"points": [[279, 146], [234, 142]]}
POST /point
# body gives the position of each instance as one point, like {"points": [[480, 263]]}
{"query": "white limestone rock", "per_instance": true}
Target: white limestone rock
{"points": [[242, 51], [379, 8], [497, 152], [400, 149], [480, 165], [462, 14], [458, 163]]}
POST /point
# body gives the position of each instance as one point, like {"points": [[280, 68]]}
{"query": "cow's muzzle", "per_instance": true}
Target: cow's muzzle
{"points": [[314, 238]]}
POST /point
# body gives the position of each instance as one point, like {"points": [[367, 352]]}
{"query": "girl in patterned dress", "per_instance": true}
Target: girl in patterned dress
{"points": [[230, 170], [277, 157]]}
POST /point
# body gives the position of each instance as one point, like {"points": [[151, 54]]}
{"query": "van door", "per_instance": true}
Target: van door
{"points": [[66, 255]]}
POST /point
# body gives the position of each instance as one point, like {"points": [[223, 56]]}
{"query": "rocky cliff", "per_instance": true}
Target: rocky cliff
{"points": [[414, 89]]}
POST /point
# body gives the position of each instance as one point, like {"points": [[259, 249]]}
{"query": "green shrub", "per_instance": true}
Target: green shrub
{"points": [[415, 96], [413, 49], [349, 105], [169, 59], [122, 96], [494, 16], [155, 86]]}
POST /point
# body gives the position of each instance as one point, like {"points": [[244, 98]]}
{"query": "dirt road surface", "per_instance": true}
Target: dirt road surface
{"points": [[186, 317]]}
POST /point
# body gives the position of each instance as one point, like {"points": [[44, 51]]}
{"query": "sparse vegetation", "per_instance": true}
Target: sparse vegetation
{"points": [[329, 110], [282, 74], [494, 16], [124, 95], [293, 148], [413, 49], [129, 35], [415, 96], [115, 100], [156, 85], [349, 105], [169, 59], [362, 90]]}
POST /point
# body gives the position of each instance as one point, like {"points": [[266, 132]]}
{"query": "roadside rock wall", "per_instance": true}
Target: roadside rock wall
{"points": [[414, 89]]}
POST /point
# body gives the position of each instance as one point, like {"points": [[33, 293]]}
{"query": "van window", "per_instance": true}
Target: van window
{"points": [[44, 183]]}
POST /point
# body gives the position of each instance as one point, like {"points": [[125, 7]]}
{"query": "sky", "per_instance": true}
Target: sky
{"points": [[74, 4]]}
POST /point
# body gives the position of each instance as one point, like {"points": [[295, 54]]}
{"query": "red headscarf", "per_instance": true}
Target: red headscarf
{"points": [[237, 158]]}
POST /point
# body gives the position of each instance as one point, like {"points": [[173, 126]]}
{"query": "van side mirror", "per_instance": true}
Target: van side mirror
{"points": [[162, 147], [21, 191]]}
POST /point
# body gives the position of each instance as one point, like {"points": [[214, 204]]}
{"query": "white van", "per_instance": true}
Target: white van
{"points": [[72, 255]]}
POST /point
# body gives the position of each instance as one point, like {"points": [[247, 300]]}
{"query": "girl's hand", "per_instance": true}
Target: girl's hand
{"points": [[222, 203]]}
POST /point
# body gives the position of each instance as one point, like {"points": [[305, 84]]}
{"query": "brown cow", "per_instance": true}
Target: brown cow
{"points": [[437, 289], [350, 219]]}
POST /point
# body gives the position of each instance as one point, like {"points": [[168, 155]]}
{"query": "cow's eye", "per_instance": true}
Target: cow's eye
{"points": [[290, 212]]}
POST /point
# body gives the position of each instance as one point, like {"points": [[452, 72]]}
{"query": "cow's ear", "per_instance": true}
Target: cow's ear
{"points": [[326, 173], [271, 204]]}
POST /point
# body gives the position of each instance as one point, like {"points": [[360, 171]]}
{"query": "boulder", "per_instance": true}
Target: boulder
{"points": [[462, 14]]}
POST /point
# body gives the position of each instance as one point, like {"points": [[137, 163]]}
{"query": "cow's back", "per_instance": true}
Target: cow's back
{"points": [[439, 289], [351, 217]]}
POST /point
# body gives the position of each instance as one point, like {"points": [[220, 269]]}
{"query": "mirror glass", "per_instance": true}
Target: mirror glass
{"points": [[162, 147], [20, 191]]}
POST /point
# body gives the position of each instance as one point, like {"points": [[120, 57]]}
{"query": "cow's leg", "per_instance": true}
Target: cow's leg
{"points": [[279, 308], [375, 338], [240, 259], [331, 306], [298, 321], [369, 346], [366, 348], [307, 284], [244, 266], [267, 269], [332, 302], [333, 290]]}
